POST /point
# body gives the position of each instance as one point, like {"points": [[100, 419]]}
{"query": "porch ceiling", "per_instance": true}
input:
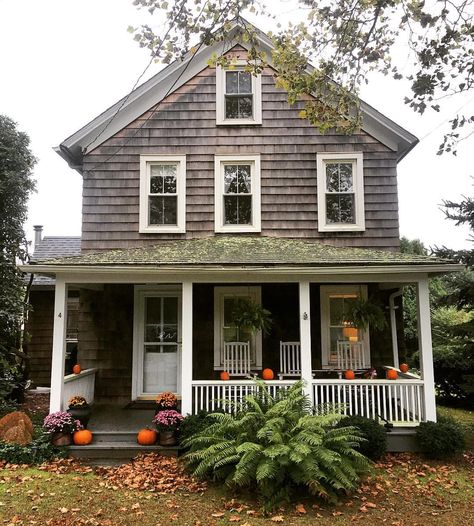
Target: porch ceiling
{"points": [[249, 251]]}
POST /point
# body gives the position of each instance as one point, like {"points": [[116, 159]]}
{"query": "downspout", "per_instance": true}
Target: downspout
{"points": [[393, 325]]}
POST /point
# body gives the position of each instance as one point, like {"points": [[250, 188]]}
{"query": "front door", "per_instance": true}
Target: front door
{"points": [[157, 341]]}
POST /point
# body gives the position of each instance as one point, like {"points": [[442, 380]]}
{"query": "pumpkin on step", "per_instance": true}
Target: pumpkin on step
{"points": [[82, 437], [147, 437]]}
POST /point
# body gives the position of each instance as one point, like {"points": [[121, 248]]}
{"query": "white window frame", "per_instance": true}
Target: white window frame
{"points": [[145, 162], [325, 293], [219, 162], [358, 183], [220, 99], [220, 293]]}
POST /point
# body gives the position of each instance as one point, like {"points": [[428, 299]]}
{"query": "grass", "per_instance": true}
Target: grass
{"points": [[465, 417]]}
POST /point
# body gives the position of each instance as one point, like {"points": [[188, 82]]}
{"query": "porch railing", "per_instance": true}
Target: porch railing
{"points": [[82, 384], [399, 402], [210, 395]]}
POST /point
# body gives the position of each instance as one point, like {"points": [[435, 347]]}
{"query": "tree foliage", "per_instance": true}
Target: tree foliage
{"points": [[276, 447], [16, 185], [345, 40]]}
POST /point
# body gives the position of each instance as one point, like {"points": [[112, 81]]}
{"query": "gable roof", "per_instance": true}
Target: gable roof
{"points": [[169, 79]]}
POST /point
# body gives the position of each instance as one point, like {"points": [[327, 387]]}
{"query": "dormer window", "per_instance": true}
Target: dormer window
{"points": [[239, 97], [162, 193]]}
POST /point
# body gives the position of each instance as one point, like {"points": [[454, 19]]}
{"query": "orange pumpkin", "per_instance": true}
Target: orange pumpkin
{"points": [[82, 437], [349, 374], [404, 368], [225, 375], [77, 368], [392, 374], [267, 374], [147, 437]]}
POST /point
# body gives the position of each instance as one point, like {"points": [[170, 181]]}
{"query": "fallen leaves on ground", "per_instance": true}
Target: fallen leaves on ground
{"points": [[152, 472]]}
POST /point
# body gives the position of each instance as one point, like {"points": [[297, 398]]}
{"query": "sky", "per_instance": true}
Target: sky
{"points": [[63, 62]]}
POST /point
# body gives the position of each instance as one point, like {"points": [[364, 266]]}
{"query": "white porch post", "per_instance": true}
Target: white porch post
{"points": [[59, 346], [305, 337], [187, 348], [425, 348]]}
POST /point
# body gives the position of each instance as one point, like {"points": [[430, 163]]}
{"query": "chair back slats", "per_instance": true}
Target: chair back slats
{"points": [[290, 359], [237, 358], [350, 355]]}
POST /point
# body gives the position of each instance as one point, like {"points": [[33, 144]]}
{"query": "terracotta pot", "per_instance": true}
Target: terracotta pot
{"points": [[82, 414], [167, 438], [61, 439]]}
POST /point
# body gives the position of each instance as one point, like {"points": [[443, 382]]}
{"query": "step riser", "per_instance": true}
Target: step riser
{"points": [[101, 437]]}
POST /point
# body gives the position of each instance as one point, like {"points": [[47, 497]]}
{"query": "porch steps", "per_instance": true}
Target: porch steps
{"points": [[111, 448], [401, 439]]}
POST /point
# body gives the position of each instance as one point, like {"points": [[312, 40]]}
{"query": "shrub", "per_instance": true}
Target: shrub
{"points": [[277, 447], [375, 445], [194, 424], [40, 450], [442, 439]]}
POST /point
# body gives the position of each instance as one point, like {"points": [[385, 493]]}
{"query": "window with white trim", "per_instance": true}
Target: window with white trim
{"points": [[237, 193], [238, 96], [225, 329], [340, 192], [162, 193]]}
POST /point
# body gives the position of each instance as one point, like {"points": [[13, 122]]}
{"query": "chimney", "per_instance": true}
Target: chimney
{"points": [[38, 234]]}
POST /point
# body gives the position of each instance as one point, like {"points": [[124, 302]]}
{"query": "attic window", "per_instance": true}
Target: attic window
{"points": [[340, 192], [238, 94], [162, 193]]}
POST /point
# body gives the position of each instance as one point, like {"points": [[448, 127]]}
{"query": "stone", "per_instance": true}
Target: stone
{"points": [[17, 428]]}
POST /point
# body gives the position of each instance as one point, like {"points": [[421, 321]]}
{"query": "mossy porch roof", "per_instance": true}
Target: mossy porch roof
{"points": [[242, 250]]}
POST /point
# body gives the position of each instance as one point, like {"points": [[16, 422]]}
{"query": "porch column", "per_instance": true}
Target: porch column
{"points": [[187, 348], [59, 345], [305, 337], [425, 348]]}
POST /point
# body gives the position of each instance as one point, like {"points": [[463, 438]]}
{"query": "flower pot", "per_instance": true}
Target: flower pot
{"points": [[61, 439], [82, 414], [167, 438]]}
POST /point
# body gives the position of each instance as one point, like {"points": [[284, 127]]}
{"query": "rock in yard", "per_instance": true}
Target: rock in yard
{"points": [[17, 428]]}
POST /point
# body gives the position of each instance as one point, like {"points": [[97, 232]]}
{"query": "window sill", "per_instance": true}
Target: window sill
{"points": [[162, 230], [342, 228], [239, 122]]}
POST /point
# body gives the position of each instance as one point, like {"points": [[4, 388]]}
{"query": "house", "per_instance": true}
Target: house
{"points": [[203, 187]]}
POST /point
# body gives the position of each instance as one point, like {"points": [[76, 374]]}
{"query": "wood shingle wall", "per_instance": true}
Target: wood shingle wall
{"points": [[185, 123]]}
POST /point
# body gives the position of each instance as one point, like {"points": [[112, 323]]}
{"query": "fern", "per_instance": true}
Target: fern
{"points": [[276, 446]]}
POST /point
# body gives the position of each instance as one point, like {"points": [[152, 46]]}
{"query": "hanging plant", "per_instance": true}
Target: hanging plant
{"points": [[250, 315], [363, 313]]}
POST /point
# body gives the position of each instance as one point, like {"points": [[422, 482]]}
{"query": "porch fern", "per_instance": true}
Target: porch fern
{"points": [[276, 446]]}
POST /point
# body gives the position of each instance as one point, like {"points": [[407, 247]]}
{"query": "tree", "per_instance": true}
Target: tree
{"points": [[345, 40], [16, 185]]}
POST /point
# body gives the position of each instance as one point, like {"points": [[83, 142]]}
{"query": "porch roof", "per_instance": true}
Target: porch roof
{"points": [[244, 250]]}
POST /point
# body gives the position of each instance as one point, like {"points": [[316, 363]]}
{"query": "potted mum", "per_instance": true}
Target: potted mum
{"points": [[167, 423], [79, 409], [61, 426], [166, 401]]}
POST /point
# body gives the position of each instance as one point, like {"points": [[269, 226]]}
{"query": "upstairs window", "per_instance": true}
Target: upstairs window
{"points": [[340, 192], [238, 94], [162, 193], [237, 193]]}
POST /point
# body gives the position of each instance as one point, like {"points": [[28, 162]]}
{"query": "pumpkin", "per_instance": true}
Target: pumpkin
{"points": [[225, 375], [76, 369], [392, 374], [147, 437], [82, 437], [404, 368], [267, 374], [349, 374]]}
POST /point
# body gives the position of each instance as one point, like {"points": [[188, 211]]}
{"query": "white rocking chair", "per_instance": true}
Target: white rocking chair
{"points": [[351, 355], [237, 358], [290, 359]]}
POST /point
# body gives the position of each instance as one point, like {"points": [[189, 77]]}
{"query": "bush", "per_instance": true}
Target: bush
{"points": [[194, 424], [277, 448], [442, 439], [40, 450], [375, 445]]}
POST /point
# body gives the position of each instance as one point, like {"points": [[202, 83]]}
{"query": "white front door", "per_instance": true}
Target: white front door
{"points": [[157, 337]]}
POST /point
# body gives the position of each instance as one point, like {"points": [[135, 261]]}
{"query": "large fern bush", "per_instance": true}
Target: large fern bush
{"points": [[277, 447]]}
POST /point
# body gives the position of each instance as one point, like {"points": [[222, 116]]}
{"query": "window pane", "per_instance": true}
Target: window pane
{"points": [[230, 178], [340, 208], [170, 333], [336, 311], [229, 304], [245, 82], [245, 107], [238, 210], [170, 314], [345, 177], [238, 107], [156, 170], [244, 181], [169, 186], [339, 177], [163, 210], [232, 82], [156, 185]]}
